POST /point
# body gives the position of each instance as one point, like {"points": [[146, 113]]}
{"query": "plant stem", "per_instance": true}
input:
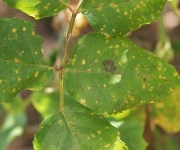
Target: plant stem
{"points": [[64, 60]]}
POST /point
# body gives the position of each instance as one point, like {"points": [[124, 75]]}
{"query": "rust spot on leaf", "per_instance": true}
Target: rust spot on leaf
{"points": [[109, 66]]}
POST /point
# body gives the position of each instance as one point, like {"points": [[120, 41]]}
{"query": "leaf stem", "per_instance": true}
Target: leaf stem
{"points": [[64, 60]]}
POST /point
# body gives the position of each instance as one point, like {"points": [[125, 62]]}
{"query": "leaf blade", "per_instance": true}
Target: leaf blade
{"points": [[117, 17], [76, 127], [20, 60], [111, 74], [38, 9]]}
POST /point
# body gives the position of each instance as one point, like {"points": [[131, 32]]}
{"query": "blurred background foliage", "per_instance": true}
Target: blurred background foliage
{"points": [[151, 127]]}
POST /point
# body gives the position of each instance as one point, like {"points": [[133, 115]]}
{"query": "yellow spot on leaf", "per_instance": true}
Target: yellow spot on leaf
{"points": [[19, 79], [118, 10], [17, 71], [73, 61], [89, 88], [104, 85], [24, 28], [137, 6], [117, 46], [16, 60], [14, 30], [175, 74], [107, 145], [22, 52], [0, 81], [125, 13], [83, 62], [14, 90], [89, 70], [110, 47], [60, 121], [93, 136], [170, 89], [34, 14], [99, 132], [33, 33], [55, 10], [113, 30], [83, 101], [36, 74]]}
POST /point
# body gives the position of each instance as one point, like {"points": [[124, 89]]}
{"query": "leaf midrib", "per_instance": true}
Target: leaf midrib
{"points": [[27, 64]]}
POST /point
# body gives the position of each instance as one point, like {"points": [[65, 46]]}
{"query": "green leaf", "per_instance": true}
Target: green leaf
{"points": [[38, 8], [45, 101], [76, 128], [111, 74], [131, 134], [14, 122], [117, 17], [12, 127], [20, 59]]}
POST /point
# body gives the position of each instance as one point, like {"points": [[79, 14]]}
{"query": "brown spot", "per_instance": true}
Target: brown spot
{"points": [[109, 66]]}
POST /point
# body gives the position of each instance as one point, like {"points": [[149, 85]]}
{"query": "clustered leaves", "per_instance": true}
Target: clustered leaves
{"points": [[105, 74]]}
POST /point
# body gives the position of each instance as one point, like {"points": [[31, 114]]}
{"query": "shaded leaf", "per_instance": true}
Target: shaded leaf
{"points": [[20, 59], [12, 127], [111, 74], [130, 124], [46, 101], [14, 122], [38, 8], [76, 128], [167, 114], [117, 17], [165, 141], [131, 134]]}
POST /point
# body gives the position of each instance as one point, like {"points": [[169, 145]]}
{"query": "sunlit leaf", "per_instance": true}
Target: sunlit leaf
{"points": [[116, 17], [112, 74], [77, 128], [131, 133], [38, 8], [20, 59]]}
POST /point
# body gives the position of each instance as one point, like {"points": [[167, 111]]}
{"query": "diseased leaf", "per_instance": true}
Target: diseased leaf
{"points": [[76, 128], [111, 74], [38, 8], [167, 113], [20, 59], [117, 17]]}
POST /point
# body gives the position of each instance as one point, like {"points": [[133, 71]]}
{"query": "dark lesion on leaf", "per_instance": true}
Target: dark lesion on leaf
{"points": [[109, 66]]}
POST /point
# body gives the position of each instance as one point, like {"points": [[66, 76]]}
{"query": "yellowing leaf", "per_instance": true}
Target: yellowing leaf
{"points": [[38, 8]]}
